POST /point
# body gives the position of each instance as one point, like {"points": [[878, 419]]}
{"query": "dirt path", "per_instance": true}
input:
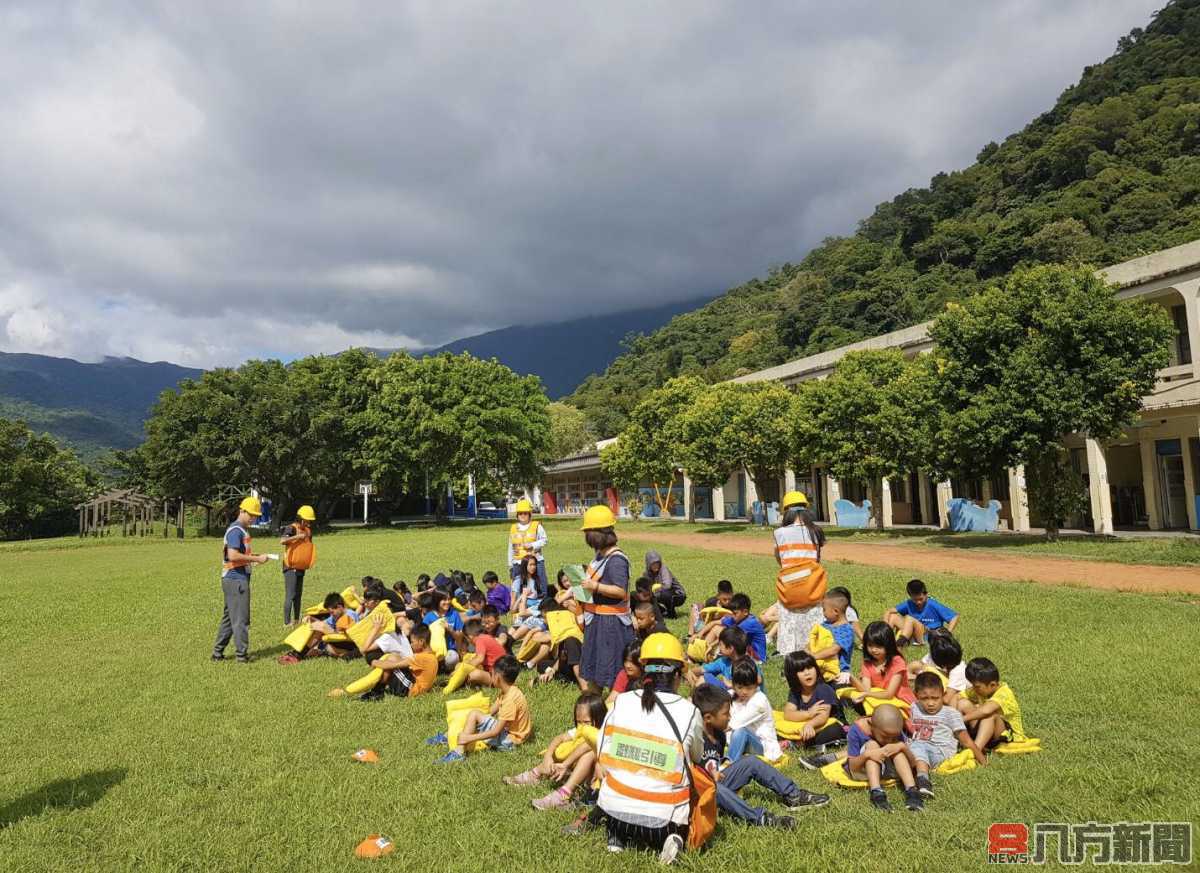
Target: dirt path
{"points": [[1049, 571]]}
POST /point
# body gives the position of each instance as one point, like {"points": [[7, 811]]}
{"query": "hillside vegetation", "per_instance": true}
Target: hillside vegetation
{"points": [[1111, 172]]}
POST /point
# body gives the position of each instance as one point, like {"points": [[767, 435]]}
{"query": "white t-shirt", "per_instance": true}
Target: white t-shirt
{"points": [[756, 716], [394, 644], [851, 614], [957, 680]]}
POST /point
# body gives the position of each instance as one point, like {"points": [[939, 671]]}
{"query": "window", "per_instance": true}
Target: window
{"points": [[1183, 341]]}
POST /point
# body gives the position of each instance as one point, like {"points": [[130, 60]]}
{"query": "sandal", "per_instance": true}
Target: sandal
{"points": [[529, 777]]}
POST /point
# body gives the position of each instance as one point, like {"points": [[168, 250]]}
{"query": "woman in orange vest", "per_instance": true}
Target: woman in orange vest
{"points": [[526, 537], [801, 582], [608, 623], [300, 555]]}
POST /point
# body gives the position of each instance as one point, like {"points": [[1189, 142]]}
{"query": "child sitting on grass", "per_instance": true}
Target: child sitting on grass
{"points": [[812, 702], [913, 618], [475, 603], [485, 652], [646, 620], [715, 707], [630, 675], [831, 642], [339, 620], [990, 707], [490, 619], [403, 676], [877, 749], [733, 646], [498, 596], [719, 600], [578, 766], [884, 673], [504, 726], [937, 731], [944, 658], [742, 617], [851, 612], [751, 716]]}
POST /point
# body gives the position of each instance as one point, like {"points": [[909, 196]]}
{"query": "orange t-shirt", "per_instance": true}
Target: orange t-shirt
{"points": [[514, 713], [424, 668]]}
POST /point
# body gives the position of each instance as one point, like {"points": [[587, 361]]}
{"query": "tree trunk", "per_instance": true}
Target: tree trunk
{"points": [[875, 492], [691, 501]]}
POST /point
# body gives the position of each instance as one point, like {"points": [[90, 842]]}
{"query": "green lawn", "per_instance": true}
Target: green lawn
{"points": [[1171, 551], [127, 749]]}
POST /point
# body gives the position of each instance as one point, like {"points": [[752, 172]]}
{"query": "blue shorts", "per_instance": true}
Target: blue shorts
{"points": [[928, 752], [533, 622], [499, 742]]}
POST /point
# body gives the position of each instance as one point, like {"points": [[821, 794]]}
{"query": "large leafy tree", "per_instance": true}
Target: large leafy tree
{"points": [[1051, 351], [570, 433], [448, 416], [866, 420], [40, 483]]}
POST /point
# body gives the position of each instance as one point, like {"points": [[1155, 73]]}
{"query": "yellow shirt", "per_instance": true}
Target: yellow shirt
{"points": [[514, 713], [821, 637], [1010, 710]]}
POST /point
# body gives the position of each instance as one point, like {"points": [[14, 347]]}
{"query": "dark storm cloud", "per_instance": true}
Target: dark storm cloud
{"points": [[204, 182]]}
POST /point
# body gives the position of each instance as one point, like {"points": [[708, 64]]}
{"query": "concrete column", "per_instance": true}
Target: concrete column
{"points": [[751, 494], [944, 493], [1189, 478], [718, 500], [1149, 485], [885, 501], [1102, 522], [923, 497], [687, 496], [1190, 291], [833, 493], [789, 480], [1018, 496]]}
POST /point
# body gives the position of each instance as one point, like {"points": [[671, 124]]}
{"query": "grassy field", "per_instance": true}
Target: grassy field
{"points": [[127, 749], [1180, 550]]}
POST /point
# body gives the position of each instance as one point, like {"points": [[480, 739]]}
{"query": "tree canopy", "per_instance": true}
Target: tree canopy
{"points": [[40, 483]]}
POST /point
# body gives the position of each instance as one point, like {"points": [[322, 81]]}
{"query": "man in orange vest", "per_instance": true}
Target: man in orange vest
{"points": [[236, 558], [300, 555]]}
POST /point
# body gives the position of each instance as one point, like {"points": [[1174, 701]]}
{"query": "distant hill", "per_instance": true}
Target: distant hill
{"points": [[1110, 172], [91, 407], [565, 353]]}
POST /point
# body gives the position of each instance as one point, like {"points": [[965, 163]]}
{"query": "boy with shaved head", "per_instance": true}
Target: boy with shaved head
{"points": [[877, 749]]}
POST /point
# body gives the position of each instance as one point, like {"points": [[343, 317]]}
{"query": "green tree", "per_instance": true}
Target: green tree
{"points": [[865, 421], [570, 433], [40, 484], [1050, 352]]}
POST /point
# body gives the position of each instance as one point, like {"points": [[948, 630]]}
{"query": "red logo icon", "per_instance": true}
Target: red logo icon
{"points": [[1008, 838]]}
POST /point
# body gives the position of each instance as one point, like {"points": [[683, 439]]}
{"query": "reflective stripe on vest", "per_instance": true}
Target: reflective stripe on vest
{"points": [[666, 798], [595, 571], [522, 540], [226, 564], [801, 581]]}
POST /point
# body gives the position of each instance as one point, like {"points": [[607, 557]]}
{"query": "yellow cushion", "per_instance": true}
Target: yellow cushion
{"points": [[299, 638], [361, 629], [712, 613], [583, 734], [1020, 747], [790, 730], [697, 651], [459, 677], [437, 638], [456, 717], [350, 597], [958, 763], [820, 637], [366, 683]]}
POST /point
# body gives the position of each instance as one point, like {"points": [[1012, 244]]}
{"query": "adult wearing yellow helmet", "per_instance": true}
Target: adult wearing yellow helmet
{"points": [[608, 623], [801, 582], [236, 558], [650, 740], [526, 537], [299, 556]]}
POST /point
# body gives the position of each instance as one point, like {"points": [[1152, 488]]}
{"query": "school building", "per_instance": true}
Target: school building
{"points": [[1147, 478]]}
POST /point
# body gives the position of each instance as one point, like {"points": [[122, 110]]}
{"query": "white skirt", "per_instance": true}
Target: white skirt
{"points": [[794, 627]]}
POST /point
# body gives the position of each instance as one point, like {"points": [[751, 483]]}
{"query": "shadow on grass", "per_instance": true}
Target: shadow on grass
{"points": [[270, 650], [65, 794]]}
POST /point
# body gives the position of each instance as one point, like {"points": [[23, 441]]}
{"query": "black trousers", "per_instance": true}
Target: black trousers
{"points": [[669, 601], [293, 592]]}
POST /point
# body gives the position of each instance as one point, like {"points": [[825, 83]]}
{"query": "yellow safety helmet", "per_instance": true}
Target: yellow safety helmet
{"points": [[524, 505], [794, 498], [662, 647], [307, 513], [251, 505], [598, 518]]}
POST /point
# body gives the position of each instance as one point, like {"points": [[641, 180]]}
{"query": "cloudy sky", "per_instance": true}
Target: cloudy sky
{"points": [[209, 181]]}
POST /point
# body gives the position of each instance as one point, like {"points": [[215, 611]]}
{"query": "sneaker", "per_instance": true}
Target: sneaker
{"points": [[614, 844], [556, 798], [217, 658], [925, 785], [244, 659], [288, 659], [913, 801], [816, 762], [805, 798], [529, 777], [451, 757], [671, 848], [879, 800], [372, 696], [581, 825], [783, 822], [436, 740]]}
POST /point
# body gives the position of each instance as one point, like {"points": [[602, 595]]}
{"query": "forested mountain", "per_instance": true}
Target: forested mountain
{"points": [[1111, 172]]}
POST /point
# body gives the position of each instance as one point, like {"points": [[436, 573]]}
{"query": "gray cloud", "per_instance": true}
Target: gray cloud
{"points": [[211, 181]]}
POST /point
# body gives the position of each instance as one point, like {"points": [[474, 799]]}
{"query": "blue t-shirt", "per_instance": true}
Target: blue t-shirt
{"points": [[843, 635], [933, 616], [237, 540], [755, 633], [722, 666], [856, 738], [822, 693]]}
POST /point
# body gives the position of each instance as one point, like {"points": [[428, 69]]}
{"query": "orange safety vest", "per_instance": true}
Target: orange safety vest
{"points": [[226, 564], [595, 571], [801, 581], [645, 764], [301, 554], [522, 540]]}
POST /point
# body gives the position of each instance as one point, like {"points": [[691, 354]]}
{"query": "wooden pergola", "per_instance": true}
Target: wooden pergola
{"points": [[134, 511]]}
